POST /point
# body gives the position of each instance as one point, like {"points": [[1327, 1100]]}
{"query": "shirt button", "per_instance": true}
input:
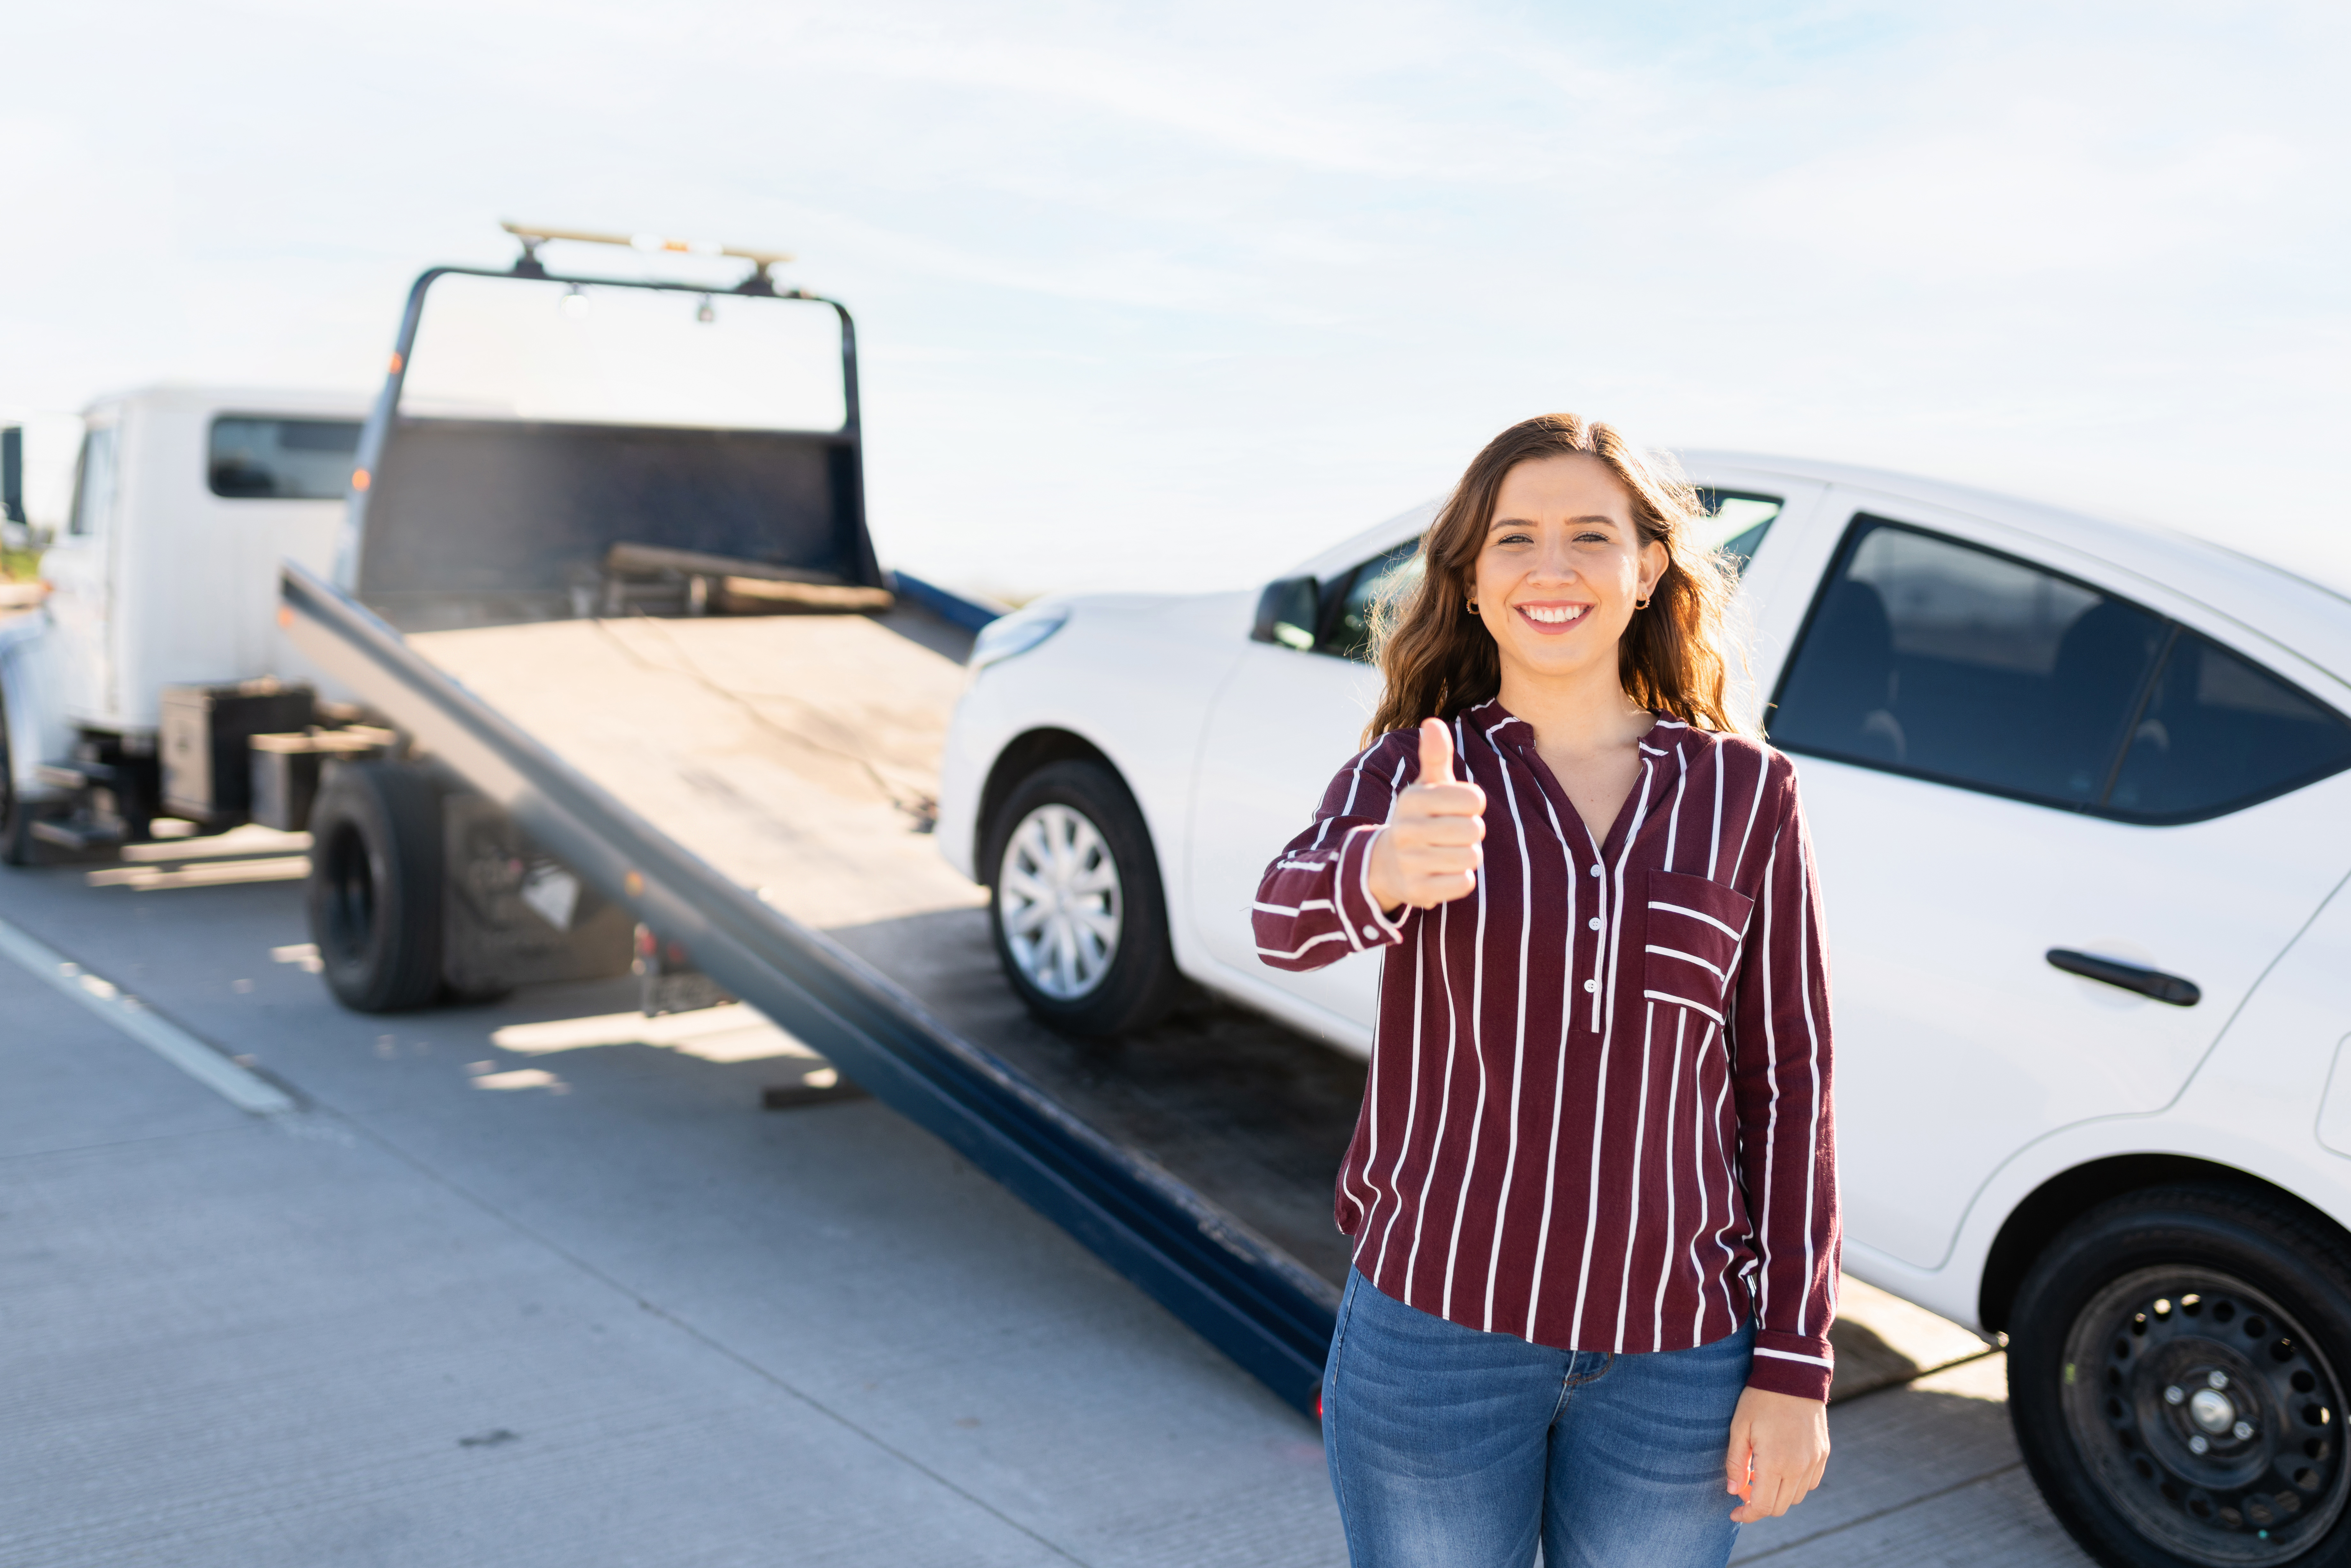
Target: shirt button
{"points": [[1593, 923], [1591, 985], [1371, 931], [1596, 871]]}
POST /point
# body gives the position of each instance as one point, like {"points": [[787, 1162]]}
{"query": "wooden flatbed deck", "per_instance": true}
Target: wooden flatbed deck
{"points": [[799, 756]]}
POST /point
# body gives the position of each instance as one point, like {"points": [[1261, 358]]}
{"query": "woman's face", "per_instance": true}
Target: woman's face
{"points": [[1561, 568]]}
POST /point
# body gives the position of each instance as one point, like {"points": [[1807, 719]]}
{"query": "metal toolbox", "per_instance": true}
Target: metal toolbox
{"points": [[206, 737]]}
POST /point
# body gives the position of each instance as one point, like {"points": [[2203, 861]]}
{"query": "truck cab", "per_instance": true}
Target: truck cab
{"points": [[163, 577]]}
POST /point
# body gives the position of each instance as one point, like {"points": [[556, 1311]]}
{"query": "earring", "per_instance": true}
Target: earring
{"points": [[1640, 604], [1473, 607]]}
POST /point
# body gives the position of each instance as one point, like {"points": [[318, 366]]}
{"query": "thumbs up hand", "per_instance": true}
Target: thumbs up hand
{"points": [[1428, 853]]}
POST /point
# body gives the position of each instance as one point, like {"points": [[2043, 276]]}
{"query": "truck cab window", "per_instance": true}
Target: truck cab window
{"points": [[94, 482], [256, 459], [1927, 656]]}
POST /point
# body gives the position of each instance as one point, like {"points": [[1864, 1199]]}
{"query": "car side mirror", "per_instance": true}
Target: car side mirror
{"points": [[11, 474], [1285, 613]]}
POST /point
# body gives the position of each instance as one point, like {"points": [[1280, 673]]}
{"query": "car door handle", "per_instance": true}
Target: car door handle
{"points": [[2153, 983]]}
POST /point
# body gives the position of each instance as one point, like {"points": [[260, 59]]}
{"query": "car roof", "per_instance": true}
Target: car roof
{"points": [[2299, 604]]}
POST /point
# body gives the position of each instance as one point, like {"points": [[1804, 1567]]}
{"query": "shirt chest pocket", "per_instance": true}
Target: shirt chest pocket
{"points": [[1695, 927]]}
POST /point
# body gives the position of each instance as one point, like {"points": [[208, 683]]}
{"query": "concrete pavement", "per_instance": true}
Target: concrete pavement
{"points": [[512, 1286]]}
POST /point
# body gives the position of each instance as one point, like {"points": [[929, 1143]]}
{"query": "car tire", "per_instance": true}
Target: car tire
{"points": [[1075, 903], [374, 891], [2176, 1367]]}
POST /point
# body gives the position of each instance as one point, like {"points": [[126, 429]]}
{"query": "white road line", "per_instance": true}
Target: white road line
{"points": [[175, 1045]]}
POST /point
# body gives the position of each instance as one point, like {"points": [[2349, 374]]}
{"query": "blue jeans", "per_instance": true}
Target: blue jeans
{"points": [[1453, 1449]]}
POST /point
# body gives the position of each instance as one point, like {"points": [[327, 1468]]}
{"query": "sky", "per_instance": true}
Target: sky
{"points": [[1172, 296]]}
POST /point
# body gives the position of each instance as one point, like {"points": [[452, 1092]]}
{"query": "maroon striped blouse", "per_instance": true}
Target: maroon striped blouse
{"points": [[1598, 1111]]}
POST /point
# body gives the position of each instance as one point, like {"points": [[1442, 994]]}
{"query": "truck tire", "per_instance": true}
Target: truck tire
{"points": [[2176, 1367], [1075, 903], [17, 845], [375, 886]]}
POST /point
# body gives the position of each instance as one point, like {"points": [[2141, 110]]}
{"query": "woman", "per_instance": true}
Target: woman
{"points": [[1593, 1188]]}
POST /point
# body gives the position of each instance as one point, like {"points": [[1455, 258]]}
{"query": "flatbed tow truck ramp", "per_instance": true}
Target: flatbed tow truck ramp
{"points": [[607, 585]]}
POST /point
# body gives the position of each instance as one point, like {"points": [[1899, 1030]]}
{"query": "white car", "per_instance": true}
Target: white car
{"points": [[2083, 814]]}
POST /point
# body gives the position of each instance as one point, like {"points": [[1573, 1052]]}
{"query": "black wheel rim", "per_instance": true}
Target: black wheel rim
{"points": [[2207, 1415], [348, 879]]}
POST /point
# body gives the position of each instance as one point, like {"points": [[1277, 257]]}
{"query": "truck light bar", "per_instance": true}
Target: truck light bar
{"points": [[533, 236]]}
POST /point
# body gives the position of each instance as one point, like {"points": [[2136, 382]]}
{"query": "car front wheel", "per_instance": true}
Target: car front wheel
{"points": [[1080, 921], [2176, 1365]]}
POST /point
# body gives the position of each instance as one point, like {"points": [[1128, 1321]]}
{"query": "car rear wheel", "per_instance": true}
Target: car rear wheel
{"points": [[2176, 1366], [375, 893], [1080, 921]]}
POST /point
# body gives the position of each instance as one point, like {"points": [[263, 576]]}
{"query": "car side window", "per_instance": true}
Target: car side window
{"points": [[1934, 657], [1354, 598], [1927, 656], [2218, 733]]}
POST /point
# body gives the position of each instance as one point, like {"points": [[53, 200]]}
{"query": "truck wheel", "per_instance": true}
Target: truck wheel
{"points": [[1080, 921], [375, 886], [2175, 1376], [17, 845]]}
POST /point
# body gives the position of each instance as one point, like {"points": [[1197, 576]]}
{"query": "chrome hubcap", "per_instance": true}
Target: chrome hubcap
{"points": [[1057, 898]]}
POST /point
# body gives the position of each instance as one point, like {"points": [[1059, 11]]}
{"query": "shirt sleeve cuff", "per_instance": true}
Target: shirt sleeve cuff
{"points": [[1367, 923], [1792, 1364]]}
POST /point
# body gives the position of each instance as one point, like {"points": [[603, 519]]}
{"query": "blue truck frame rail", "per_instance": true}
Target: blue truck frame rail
{"points": [[962, 614]]}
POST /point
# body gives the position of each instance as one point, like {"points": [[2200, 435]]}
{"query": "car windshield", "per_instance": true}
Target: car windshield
{"points": [[1736, 522], [1378, 580]]}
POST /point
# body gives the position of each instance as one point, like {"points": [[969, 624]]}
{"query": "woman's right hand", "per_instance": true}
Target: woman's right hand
{"points": [[1428, 853]]}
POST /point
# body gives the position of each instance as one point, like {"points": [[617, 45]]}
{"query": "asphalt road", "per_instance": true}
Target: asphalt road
{"points": [[541, 1282]]}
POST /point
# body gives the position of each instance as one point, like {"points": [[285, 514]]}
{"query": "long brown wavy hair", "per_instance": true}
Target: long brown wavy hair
{"points": [[1674, 658]]}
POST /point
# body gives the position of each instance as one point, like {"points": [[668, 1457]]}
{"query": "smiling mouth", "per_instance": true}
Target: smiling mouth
{"points": [[1553, 616]]}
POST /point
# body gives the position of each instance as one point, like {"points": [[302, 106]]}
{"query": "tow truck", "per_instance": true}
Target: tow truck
{"points": [[570, 655]]}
